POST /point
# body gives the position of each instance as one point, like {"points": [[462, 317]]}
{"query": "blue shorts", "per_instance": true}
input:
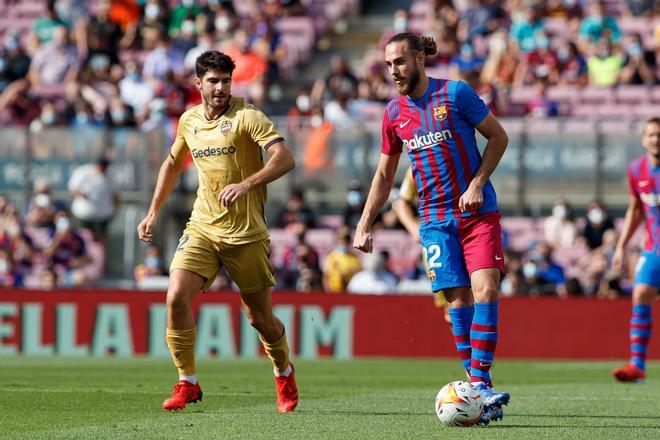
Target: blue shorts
{"points": [[455, 248], [647, 270]]}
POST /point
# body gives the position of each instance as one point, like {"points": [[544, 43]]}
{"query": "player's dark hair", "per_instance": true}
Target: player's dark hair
{"points": [[653, 120], [213, 60], [416, 44]]}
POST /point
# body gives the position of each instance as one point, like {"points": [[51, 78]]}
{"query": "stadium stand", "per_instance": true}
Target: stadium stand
{"points": [[526, 60]]}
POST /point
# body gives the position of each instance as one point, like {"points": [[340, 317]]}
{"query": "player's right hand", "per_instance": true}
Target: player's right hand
{"points": [[617, 259], [363, 241], [146, 227]]}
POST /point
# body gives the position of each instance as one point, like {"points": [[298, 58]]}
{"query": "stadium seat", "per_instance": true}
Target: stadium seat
{"points": [[633, 94], [596, 95]]}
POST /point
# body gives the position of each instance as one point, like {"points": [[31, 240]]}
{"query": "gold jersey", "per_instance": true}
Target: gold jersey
{"points": [[225, 151], [408, 189]]}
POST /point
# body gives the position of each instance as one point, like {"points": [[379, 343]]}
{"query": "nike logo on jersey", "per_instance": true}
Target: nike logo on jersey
{"points": [[403, 124], [498, 258]]}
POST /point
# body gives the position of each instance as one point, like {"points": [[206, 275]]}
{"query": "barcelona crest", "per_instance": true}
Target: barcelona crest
{"points": [[225, 127], [440, 113], [431, 274]]}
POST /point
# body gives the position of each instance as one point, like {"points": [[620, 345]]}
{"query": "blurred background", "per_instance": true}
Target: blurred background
{"points": [[91, 92]]}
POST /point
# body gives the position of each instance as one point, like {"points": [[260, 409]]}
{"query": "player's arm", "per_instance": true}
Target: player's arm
{"points": [[406, 215], [168, 174], [403, 206], [634, 216], [381, 185], [281, 162], [492, 130]]}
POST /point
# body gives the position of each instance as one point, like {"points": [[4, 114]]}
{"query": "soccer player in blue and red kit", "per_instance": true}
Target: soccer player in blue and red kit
{"points": [[644, 180], [434, 121]]}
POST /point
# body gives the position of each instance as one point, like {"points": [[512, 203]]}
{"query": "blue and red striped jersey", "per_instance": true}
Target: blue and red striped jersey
{"points": [[437, 130], [644, 181]]}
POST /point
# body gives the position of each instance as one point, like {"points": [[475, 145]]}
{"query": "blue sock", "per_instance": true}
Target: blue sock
{"points": [[483, 337], [461, 320], [640, 333]]}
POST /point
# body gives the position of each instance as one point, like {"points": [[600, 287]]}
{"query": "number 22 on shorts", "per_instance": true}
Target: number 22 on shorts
{"points": [[432, 255]]}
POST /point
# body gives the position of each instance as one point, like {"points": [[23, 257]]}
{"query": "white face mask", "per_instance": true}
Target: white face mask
{"points": [[400, 24], [13, 230], [63, 224], [316, 121], [188, 27], [596, 216], [303, 103], [559, 211], [42, 200], [529, 270], [222, 23], [4, 267], [151, 11]]}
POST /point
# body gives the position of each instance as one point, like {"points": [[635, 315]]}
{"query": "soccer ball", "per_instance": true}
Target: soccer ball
{"points": [[458, 404]]}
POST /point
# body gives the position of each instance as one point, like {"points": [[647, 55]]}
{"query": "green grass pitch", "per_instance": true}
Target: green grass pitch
{"points": [[58, 398]]}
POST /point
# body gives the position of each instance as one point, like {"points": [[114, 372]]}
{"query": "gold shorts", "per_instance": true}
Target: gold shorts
{"points": [[247, 264]]}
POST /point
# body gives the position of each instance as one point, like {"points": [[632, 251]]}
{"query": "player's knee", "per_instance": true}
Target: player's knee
{"points": [[177, 300], [485, 293], [262, 322], [643, 294]]}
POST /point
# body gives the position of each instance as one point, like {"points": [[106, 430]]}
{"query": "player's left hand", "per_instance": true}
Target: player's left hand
{"points": [[471, 200], [363, 241], [232, 192]]}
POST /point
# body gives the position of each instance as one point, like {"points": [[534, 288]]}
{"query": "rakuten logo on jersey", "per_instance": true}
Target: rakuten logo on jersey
{"points": [[428, 140], [208, 151]]}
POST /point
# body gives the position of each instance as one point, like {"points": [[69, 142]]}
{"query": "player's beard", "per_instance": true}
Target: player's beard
{"points": [[216, 104], [409, 83]]}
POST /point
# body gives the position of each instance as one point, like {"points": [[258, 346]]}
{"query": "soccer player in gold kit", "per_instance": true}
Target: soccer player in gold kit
{"points": [[227, 226]]}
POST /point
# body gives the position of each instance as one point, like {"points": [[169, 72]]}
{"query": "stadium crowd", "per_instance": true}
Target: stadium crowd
{"points": [[50, 246], [125, 63], [128, 63]]}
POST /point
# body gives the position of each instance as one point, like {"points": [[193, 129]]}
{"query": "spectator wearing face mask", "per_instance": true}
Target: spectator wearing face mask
{"points": [[597, 222], [67, 251], [14, 62], [135, 91], [301, 111], [318, 158], [300, 268], [605, 65], [17, 242], [374, 278], [354, 204], [639, 65], [340, 264], [152, 266], [572, 65], [56, 62], [541, 273], [94, 197], [560, 229]]}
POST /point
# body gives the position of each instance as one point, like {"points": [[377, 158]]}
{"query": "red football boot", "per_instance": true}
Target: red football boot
{"points": [[287, 392], [629, 373], [183, 393]]}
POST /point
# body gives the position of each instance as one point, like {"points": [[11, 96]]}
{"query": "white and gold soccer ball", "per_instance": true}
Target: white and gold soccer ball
{"points": [[458, 404]]}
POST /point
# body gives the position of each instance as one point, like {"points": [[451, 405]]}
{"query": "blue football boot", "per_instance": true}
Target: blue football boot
{"points": [[490, 414], [492, 397]]}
